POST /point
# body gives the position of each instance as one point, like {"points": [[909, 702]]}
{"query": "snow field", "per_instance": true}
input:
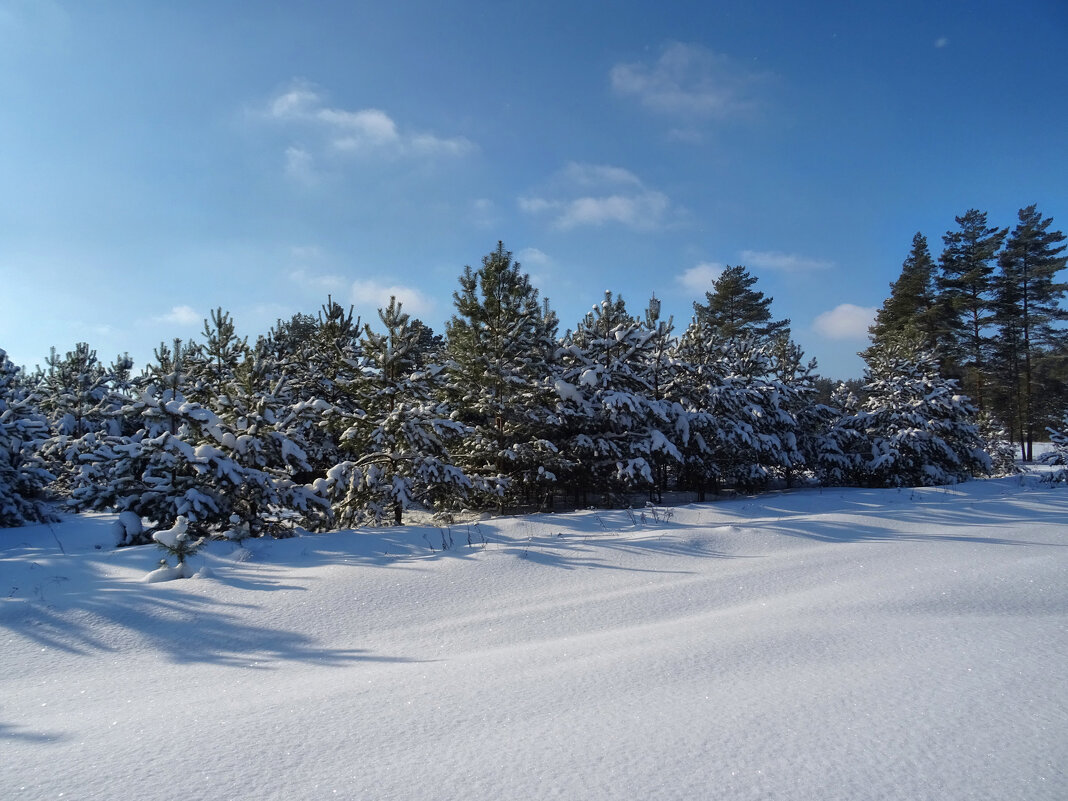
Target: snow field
{"points": [[844, 644]]}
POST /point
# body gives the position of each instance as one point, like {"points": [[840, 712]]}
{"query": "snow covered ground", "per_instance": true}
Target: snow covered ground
{"points": [[843, 644]]}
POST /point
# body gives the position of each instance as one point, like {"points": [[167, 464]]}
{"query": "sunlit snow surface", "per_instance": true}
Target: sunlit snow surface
{"points": [[844, 644]]}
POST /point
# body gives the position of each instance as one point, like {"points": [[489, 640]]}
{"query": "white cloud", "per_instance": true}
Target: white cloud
{"points": [[300, 165], [371, 295], [538, 265], [368, 131], [700, 279], [689, 80], [182, 315], [644, 210], [579, 174], [782, 262], [320, 283], [537, 205], [538, 258], [941, 42], [354, 130], [622, 199], [294, 103], [845, 321]]}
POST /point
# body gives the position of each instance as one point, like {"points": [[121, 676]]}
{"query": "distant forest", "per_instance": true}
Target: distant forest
{"points": [[328, 422]]}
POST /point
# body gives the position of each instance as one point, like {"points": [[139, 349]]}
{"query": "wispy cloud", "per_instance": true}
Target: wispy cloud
{"points": [[182, 315], [320, 283], [783, 262], [596, 195], [689, 80], [533, 256], [845, 321], [369, 295], [597, 175], [699, 279], [539, 265], [941, 42], [300, 165], [328, 132]]}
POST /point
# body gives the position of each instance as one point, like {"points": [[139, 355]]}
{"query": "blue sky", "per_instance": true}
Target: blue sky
{"points": [[160, 159]]}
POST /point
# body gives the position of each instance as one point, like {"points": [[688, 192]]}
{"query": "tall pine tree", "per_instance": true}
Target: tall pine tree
{"points": [[734, 309], [399, 448], [965, 285], [499, 346], [1026, 310], [912, 304]]}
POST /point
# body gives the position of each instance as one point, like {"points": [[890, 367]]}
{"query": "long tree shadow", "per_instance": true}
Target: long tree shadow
{"points": [[26, 735], [848, 532], [185, 627], [985, 513], [100, 611]]}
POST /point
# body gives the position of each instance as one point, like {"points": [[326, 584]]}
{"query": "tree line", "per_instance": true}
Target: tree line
{"points": [[990, 310], [328, 422]]}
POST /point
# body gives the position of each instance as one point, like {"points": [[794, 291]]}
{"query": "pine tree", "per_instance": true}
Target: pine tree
{"points": [[734, 309], [83, 400], [211, 365], [23, 475], [1026, 310], [616, 431], [662, 373], [400, 446], [267, 424], [912, 304], [843, 446], [915, 428], [500, 377], [725, 394], [1058, 438], [324, 368], [185, 460], [797, 420], [965, 284]]}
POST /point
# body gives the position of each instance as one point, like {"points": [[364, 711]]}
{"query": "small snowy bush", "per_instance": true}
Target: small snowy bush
{"points": [[1059, 440], [129, 530], [177, 541]]}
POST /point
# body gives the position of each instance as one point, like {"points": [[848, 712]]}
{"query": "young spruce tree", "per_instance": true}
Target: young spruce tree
{"points": [[499, 347]]}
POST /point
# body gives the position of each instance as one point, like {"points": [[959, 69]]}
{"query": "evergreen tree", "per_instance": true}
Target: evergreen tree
{"points": [[965, 284], [1026, 311], [617, 431], [725, 443], [75, 395], [915, 428], [400, 445], [734, 309], [662, 373], [267, 424], [1058, 438], [324, 374], [23, 475], [186, 460], [797, 421], [500, 377], [429, 348], [842, 449], [912, 304], [211, 365]]}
